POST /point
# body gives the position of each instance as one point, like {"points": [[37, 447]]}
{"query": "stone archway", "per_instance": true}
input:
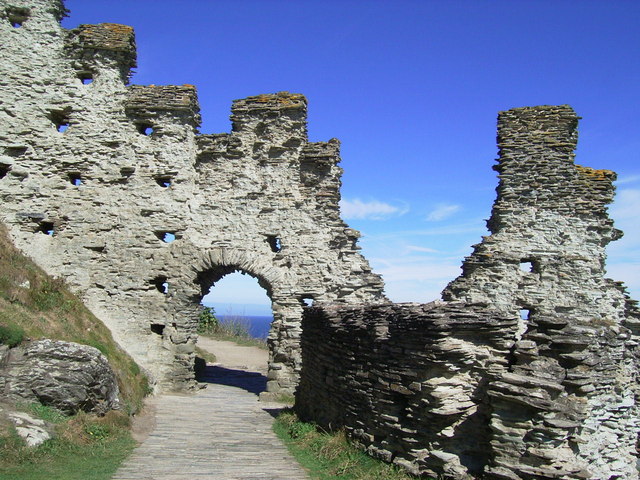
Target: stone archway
{"points": [[284, 335]]}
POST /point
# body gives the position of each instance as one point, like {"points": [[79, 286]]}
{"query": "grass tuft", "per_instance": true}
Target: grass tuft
{"points": [[234, 329], [330, 455]]}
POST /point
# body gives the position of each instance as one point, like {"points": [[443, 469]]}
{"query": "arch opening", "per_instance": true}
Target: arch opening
{"points": [[241, 301]]}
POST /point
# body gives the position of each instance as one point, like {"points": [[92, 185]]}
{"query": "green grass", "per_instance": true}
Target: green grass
{"points": [[35, 306], [85, 448], [330, 455]]}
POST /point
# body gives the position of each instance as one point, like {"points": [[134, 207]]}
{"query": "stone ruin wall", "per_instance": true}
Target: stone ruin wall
{"points": [[131, 167], [528, 368], [454, 388]]}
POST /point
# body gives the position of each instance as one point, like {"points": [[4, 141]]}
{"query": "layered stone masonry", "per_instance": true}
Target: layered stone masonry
{"points": [[112, 188], [407, 381], [529, 368]]}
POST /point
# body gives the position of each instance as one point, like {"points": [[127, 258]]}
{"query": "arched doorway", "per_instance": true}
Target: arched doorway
{"points": [[279, 285], [240, 303]]}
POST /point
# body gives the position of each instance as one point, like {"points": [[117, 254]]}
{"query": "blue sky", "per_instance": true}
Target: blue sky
{"points": [[412, 88]]}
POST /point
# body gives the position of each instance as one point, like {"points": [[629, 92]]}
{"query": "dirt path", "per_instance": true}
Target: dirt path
{"points": [[230, 355], [220, 433]]}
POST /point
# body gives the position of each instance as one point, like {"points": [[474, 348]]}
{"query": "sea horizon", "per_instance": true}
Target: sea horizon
{"points": [[259, 325]]}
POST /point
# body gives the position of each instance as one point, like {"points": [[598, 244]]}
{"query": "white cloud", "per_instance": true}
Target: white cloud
{"points": [[416, 278], [627, 204], [629, 179], [442, 211], [371, 210], [416, 248]]}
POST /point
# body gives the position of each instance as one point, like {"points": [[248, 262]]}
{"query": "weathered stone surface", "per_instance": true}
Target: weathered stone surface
{"points": [[64, 375], [32, 430], [545, 257], [408, 381], [131, 167], [550, 394]]}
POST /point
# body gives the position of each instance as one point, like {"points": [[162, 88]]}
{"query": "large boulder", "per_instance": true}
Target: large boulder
{"points": [[64, 375]]}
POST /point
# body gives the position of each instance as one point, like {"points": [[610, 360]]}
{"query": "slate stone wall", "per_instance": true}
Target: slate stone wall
{"points": [[94, 173], [407, 381], [552, 392]]}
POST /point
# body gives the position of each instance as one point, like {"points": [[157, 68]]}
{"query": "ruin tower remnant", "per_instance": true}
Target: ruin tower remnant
{"points": [[95, 173], [528, 369]]}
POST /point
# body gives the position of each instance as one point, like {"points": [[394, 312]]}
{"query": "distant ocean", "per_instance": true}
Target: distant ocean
{"points": [[258, 324]]}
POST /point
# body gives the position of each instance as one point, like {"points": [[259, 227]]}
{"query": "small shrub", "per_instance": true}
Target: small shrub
{"points": [[97, 431], [207, 321], [11, 335]]}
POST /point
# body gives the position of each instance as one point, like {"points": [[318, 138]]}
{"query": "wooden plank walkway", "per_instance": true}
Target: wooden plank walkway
{"points": [[219, 433]]}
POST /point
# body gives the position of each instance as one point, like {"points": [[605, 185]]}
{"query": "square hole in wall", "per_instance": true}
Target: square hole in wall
{"points": [[75, 179], [145, 128], [47, 228], [275, 243], [161, 284], [4, 169], [164, 181], [529, 266], [307, 301], [60, 119], [86, 77], [166, 236], [157, 328]]}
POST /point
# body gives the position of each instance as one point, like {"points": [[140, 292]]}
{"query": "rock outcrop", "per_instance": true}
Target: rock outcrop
{"points": [[32, 430], [67, 376]]}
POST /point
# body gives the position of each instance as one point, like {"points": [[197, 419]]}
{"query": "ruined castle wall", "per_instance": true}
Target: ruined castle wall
{"points": [[546, 257], [95, 173], [558, 398], [407, 381]]}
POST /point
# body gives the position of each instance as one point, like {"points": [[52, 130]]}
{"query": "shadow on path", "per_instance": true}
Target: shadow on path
{"points": [[252, 382]]}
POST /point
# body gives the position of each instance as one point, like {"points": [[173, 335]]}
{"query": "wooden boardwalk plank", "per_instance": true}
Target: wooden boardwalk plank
{"points": [[220, 433]]}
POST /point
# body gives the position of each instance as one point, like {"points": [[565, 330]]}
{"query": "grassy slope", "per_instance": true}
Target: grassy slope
{"points": [[34, 306]]}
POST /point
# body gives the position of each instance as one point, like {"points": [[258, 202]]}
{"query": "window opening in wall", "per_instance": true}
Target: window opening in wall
{"points": [[523, 323], [86, 77], [17, 16], [161, 284], [166, 237], [307, 301], [75, 179], [275, 243], [240, 302], [145, 129], [4, 169], [60, 119], [164, 181], [157, 328], [528, 266], [46, 228]]}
